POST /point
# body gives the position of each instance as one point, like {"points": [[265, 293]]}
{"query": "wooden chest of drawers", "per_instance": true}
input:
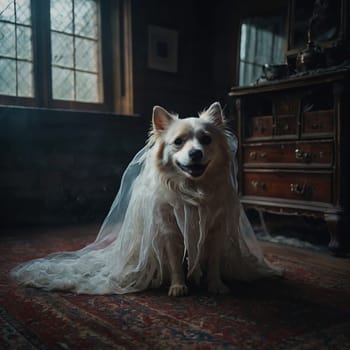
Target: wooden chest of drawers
{"points": [[294, 148]]}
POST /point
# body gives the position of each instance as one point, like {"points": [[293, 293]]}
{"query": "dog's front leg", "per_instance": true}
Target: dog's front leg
{"points": [[174, 250], [214, 251]]}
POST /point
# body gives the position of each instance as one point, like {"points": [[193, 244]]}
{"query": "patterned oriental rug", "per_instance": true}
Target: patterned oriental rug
{"points": [[308, 309]]}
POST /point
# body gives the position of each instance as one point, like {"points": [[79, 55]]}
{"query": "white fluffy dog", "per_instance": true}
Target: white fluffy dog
{"points": [[193, 163]]}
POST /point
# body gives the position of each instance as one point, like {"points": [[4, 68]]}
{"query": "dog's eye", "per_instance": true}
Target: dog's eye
{"points": [[178, 141], [205, 140]]}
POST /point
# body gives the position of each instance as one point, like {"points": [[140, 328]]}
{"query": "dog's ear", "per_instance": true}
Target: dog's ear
{"points": [[214, 114], [161, 118]]}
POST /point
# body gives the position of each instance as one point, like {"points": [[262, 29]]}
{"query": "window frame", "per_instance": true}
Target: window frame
{"points": [[116, 77]]}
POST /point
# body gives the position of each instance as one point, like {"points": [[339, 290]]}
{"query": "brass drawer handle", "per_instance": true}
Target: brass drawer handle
{"points": [[298, 189], [316, 125], [252, 155], [285, 127], [258, 185], [300, 155]]}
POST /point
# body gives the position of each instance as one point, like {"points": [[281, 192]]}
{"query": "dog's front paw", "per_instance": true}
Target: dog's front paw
{"points": [[218, 287], [178, 290]]}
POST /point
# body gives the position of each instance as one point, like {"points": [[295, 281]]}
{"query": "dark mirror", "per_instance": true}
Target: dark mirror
{"points": [[320, 18]]}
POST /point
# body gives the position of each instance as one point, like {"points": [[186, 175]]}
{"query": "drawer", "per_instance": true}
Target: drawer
{"points": [[318, 122], [259, 127], [316, 187], [312, 153], [286, 125], [286, 105]]}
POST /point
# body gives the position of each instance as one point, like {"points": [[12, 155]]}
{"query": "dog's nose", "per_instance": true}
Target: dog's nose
{"points": [[196, 155]]}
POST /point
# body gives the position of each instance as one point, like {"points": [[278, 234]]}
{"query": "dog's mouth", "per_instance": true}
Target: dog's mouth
{"points": [[194, 169]]}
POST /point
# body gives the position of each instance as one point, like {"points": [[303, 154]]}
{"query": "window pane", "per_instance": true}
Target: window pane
{"points": [[7, 10], [86, 54], [24, 42], [24, 78], [262, 42], [7, 77], [62, 84], [78, 49], [62, 50], [85, 12], [23, 12], [87, 87], [16, 71], [7, 40], [61, 15]]}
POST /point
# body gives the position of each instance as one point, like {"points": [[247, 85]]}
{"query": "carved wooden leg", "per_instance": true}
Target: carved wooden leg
{"points": [[335, 223]]}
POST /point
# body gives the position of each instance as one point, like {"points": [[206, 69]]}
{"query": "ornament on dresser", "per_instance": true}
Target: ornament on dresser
{"points": [[311, 57]]}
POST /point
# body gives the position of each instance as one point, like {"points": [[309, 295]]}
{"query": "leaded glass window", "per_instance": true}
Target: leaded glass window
{"points": [[52, 55], [16, 50], [75, 47]]}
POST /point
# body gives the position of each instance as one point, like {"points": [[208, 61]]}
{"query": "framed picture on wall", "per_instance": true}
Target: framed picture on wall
{"points": [[162, 49]]}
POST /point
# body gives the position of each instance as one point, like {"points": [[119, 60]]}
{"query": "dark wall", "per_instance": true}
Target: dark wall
{"points": [[191, 88], [62, 167]]}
